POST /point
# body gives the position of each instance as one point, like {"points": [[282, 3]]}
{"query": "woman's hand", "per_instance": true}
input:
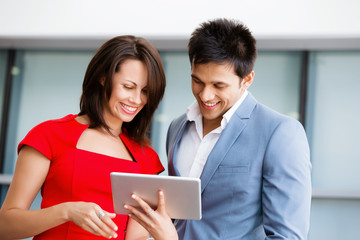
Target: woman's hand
{"points": [[90, 217], [157, 223]]}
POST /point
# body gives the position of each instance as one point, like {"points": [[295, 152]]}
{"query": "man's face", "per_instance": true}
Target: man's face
{"points": [[216, 88]]}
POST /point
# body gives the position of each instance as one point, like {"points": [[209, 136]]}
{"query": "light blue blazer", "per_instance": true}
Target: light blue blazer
{"points": [[256, 182]]}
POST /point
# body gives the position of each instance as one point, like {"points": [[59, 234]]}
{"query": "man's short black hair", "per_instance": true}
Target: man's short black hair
{"points": [[224, 41]]}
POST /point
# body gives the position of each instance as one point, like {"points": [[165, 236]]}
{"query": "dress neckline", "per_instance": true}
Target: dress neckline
{"points": [[123, 137]]}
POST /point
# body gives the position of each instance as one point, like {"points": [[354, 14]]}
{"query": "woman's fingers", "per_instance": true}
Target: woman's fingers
{"points": [[104, 225], [136, 215], [94, 225], [141, 216], [92, 218], [110, 215], [144, 206], [161, 201], [95, 228], [156, 222], [107, 219]]}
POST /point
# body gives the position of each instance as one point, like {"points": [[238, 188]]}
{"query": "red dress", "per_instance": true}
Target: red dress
{"points": [[80, 175]]}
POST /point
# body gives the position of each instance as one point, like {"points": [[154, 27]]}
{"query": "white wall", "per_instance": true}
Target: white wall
{"points": [[169, 19]]}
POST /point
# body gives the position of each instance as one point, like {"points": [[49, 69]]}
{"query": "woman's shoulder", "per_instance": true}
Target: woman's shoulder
{"points": [[55, 123], [65, 119], [46, 134], [55, 127]]}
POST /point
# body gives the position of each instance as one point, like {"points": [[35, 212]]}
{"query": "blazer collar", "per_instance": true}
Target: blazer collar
{"points": [[245, 109], [231, 132]]}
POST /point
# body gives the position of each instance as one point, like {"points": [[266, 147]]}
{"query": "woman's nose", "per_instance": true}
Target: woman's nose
{"points": [[136, 97]]}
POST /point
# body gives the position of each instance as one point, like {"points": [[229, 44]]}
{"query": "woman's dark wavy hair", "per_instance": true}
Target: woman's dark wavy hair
{"points": [[105, 63], [224, 41]]}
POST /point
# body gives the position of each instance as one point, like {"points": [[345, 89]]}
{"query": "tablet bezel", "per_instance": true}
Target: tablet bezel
{"points": [[182, 194]]}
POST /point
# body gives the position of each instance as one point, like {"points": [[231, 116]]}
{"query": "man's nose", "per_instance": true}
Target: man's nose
{"points": [[207, 94]]}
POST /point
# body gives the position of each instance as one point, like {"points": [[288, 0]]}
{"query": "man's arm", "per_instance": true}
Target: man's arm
{"points": [[286, 194]]}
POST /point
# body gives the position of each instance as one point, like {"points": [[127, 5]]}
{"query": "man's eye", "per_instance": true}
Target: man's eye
{"points": [[196, 81], [219, 86]]}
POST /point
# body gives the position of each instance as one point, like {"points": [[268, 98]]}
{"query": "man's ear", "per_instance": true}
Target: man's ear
{"points": [[248, 80]]}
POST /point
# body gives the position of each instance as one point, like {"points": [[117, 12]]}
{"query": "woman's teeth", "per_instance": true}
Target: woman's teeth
{"points": [[131, 109]]}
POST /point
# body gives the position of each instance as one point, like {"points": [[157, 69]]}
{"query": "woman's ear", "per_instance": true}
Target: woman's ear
{"points": [[102, 81]]}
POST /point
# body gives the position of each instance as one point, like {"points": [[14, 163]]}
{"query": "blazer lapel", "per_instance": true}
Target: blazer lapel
{"points": [[227, 138], [174, 146]]}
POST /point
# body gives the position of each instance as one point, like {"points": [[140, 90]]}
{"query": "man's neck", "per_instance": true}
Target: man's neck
{"points": [[209, 125]]}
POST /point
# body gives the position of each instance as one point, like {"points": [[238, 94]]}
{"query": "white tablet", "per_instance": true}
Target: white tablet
{"points": [[182, 194]]}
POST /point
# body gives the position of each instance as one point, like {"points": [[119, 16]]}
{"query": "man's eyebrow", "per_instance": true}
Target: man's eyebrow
{"points": [[213, 82], [193, 76]]}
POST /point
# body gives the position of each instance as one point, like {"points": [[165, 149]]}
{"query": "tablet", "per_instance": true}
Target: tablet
{"points": [[182, 194]]}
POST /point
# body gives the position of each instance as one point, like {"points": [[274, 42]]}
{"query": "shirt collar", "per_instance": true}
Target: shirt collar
{"points": [[193, 111], [194, 115], [231, 111]]}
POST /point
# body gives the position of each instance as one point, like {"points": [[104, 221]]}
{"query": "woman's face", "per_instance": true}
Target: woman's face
{"points": [[128, 96]]}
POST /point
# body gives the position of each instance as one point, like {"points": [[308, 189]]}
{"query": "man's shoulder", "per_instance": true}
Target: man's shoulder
{"points": [[176, 125], [271, 113], [177, 122], [174, 130]]}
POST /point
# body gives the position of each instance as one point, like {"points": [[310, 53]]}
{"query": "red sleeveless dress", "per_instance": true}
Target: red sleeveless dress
{"points": [[80, 175]]}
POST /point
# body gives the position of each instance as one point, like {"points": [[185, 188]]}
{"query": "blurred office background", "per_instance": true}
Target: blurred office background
{"points": [[308, 68]]}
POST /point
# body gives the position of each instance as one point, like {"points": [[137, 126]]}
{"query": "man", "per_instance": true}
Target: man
{"points": [[252, 161]]}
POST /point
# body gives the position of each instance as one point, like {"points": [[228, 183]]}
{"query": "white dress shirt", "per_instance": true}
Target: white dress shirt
{"points": [[194, 149]]}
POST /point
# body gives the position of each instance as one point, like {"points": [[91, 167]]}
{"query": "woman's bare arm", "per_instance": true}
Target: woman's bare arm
{"points": [[17, 221]]}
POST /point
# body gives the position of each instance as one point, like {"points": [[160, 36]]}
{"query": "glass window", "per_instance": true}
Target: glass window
{"points": [[334, 219], [332, 121], [178, 96], [277, 81], [3, 66]]}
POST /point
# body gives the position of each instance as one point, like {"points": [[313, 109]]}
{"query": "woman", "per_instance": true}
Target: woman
{"points": [[70, 159]]}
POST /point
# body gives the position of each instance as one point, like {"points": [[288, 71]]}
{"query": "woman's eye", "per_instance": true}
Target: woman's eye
{"points": [[127, 87]]}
